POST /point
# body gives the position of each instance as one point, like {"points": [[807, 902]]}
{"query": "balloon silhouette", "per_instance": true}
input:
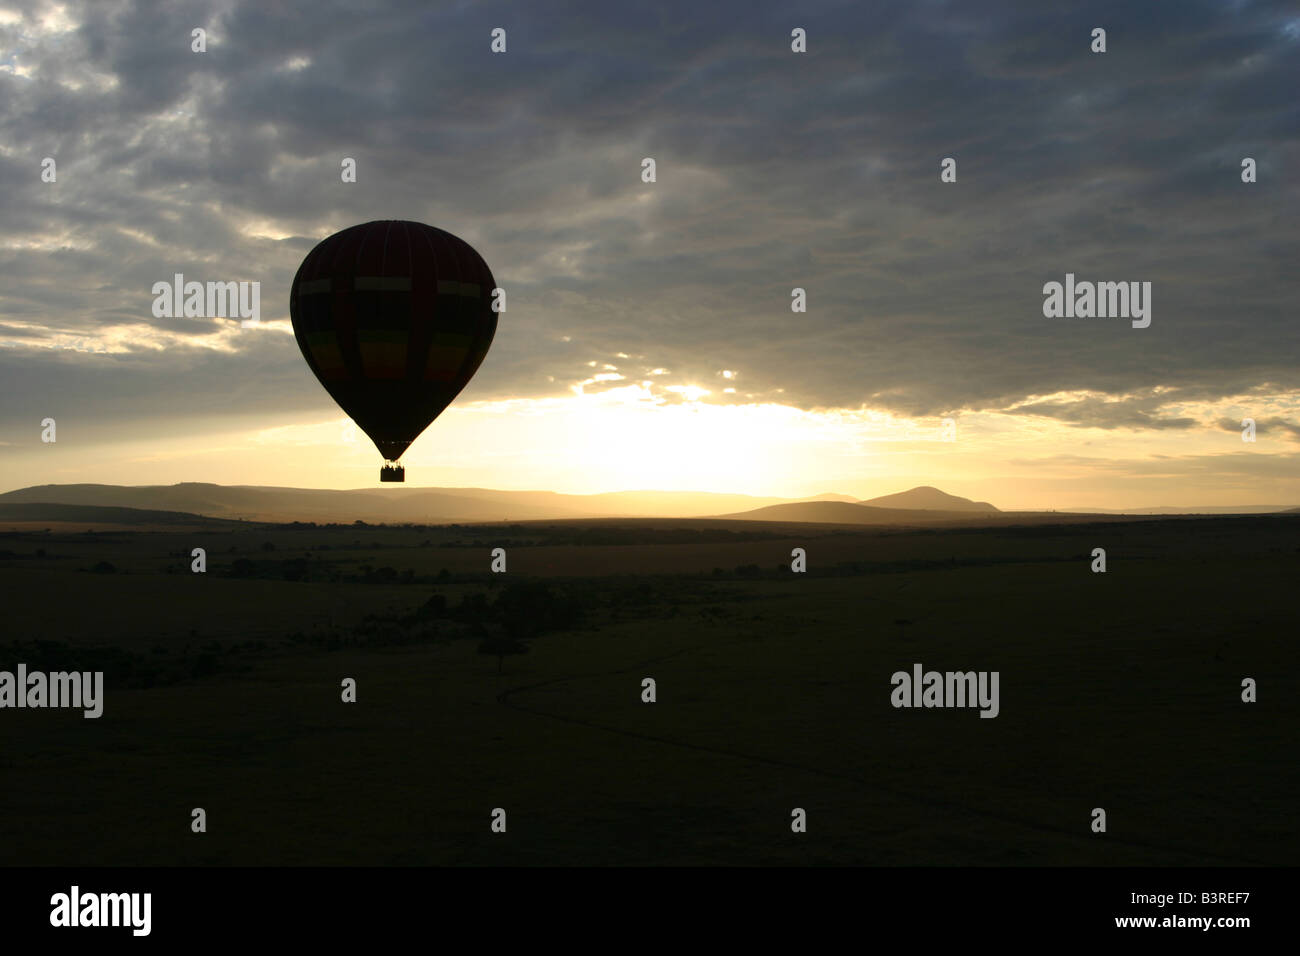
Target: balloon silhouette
{"points": [[394, 318]]}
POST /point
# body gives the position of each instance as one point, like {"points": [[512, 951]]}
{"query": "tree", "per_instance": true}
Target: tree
{"points": [[528, 607], [294, 569], [501, 645]]}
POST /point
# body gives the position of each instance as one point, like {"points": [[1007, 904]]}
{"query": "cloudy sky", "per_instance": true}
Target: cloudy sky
{"points": [[649, 340]]}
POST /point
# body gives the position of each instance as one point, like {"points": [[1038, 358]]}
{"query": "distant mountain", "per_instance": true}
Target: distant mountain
{"points": [[926, 498], [392, 505], [676, 504], [842, 512], [410, 505], [94, 514]]}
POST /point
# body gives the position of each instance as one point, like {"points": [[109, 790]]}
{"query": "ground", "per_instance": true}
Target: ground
{"points": [[1119, 690]]}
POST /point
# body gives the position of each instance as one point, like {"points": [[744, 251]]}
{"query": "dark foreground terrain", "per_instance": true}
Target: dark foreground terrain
{"points": [[1119, 690]]}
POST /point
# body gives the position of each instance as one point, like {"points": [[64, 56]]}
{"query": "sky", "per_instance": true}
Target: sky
{"points": [[648, 340]]}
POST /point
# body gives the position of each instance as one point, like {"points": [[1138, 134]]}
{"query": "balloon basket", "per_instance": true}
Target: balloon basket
{"points": [[391, 471]]}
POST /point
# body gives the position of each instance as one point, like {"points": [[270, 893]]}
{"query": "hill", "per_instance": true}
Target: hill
{"points": [[29, 512], [389, 505], [412, 505], [841, 512], [926, 498]]}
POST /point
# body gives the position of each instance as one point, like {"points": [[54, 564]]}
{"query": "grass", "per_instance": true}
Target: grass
{"points": [[1118, 690]]}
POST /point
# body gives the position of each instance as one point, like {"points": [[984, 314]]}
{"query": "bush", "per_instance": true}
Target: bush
{"points": [[501, 645], [473, 606], [205, 665], [294, 569], [530, 607]]}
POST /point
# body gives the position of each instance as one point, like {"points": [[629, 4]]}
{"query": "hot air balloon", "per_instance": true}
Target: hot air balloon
{"points": [[394, 318]]}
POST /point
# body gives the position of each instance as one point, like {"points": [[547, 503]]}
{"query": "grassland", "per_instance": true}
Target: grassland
{"points": [[1119, 691]]}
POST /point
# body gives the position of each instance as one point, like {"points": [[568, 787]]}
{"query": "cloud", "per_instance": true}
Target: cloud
{"points": [[1264, 426], [1103, 411], [775, 170]]}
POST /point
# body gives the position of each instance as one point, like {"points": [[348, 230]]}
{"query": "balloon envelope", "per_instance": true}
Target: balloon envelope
{"points": [[394, 318]]}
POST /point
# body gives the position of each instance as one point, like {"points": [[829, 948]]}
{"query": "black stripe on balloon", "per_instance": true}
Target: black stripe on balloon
{"points": [[424, 303], [461, 313], [352, 244]]}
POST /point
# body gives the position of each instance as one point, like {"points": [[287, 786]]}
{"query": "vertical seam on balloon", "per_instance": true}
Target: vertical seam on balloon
{"points": [[435, 297], [344, 353], [410, 301], [383, 256], [381, 300], [355, 350], [469, 366], [459, 380]]}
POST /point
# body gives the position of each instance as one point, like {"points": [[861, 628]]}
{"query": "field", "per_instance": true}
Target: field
{"points": [[1119, 690]]}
